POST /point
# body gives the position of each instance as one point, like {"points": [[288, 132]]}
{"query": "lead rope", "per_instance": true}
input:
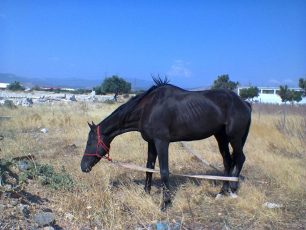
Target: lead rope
{"points": [[143, 169]]}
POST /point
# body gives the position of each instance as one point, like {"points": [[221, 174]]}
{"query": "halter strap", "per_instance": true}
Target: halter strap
{"points": [[103, 145]]}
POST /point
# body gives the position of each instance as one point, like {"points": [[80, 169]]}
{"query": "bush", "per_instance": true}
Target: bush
{"points": [[223, 82], [15, 86], [114, 84], [47, 176], [290, 95], [249, 93], [110, 102], [9, 104], [55, 180]]}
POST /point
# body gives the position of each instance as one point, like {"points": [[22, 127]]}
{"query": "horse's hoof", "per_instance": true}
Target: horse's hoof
{"points": [[233, 195], [147, 190], [166, 205], [219, 196]]}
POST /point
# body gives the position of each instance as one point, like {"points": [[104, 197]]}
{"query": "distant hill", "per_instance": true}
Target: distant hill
{"points": [[49, 82], [8, 78], [89, 83]]}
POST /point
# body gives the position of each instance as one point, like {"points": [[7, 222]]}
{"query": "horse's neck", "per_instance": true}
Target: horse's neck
{"points": [[117, 124]]}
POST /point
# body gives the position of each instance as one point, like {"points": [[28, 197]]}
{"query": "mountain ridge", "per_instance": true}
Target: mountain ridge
{"points": [[67, 82]]}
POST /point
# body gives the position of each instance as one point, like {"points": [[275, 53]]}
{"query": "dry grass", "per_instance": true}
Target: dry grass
{"points": [[113, 198]]}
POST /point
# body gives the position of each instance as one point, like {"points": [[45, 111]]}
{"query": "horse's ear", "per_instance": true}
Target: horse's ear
{"points": [[93, 124], [90, 126]]}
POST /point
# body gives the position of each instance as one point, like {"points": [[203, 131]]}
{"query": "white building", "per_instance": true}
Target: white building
{"points": [[3, 85], [270, 95]]}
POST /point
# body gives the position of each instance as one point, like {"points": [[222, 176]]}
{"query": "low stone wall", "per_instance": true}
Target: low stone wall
{"points": [[38, 97]]}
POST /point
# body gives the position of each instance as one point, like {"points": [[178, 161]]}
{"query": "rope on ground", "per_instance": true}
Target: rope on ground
{"points": [[191, 151], [143, 169]]}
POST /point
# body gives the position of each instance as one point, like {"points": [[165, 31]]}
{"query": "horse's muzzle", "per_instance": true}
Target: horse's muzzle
{"points": [[86, 170], [85, 167]]}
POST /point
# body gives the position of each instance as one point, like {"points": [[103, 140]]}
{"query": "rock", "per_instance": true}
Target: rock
{"points": [[44, 130], [48, 228], [24, 210], [23, 165], [162, 225], [8, 187], [69, 216], [1, 181], [27, 102], [44, 218], [14, 202], [272, 205], [71, 97], [9, 104], [2, 207]]}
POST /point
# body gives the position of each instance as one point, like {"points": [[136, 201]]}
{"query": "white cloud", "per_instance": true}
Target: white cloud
{"points": [[179, 69]]}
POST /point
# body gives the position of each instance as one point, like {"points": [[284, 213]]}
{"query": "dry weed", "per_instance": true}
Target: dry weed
{"points": [[113, 198]]}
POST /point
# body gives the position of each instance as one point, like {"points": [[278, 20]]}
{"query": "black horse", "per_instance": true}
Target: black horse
{"points": [[166, 113]]}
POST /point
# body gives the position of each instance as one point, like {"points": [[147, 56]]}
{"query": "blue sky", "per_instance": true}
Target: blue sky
{"points": [[192, 42]]}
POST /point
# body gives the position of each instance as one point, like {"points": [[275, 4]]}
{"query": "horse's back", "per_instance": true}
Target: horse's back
{"points": [[190, 115]]}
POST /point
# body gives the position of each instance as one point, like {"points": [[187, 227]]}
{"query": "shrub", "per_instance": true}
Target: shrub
{"points": [[110, 102], [114, 84], [9, 104], [47, 176], [224, 82], [15, 86]]}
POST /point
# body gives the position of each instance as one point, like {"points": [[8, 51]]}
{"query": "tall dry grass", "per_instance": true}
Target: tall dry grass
{"points": [[113, 198]]}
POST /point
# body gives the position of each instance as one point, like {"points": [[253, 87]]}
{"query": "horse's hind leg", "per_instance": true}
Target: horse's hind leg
{"points": [[152, 154], [238, 161], [223, 143], [163, 159]]}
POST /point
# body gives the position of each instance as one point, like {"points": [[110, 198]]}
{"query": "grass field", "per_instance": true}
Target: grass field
{"points": [[113, 198]]}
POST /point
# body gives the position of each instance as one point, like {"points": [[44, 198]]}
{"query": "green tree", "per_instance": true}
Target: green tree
{"points": [[114, 84], [223, 82], [15, 86], [302, 85], [97, 89], [36, 87], [284, 93], [295, 96], [249, 93], [287, 94]]}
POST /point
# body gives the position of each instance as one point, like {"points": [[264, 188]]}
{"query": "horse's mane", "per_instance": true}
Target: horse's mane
{"points": [[158, 83], [130, 105]]}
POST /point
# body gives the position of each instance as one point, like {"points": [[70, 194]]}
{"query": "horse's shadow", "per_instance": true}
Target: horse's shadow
{"points": [[176, 181]]}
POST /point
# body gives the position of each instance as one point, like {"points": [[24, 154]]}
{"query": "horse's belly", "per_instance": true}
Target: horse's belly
{"points": [[194, 131]]}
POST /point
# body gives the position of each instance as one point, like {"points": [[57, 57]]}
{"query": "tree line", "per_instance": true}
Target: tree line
{"points": [[286, 94], [118, 85]]}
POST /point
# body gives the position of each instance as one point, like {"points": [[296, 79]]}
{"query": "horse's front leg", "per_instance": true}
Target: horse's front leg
{"points": [[152, 154], [162, 152]]}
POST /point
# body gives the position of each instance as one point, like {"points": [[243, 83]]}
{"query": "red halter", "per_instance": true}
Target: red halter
{"points": [[103, 145]]}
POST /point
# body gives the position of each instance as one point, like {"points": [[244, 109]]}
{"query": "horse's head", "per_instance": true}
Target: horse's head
{"points": [[97, 147]]}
